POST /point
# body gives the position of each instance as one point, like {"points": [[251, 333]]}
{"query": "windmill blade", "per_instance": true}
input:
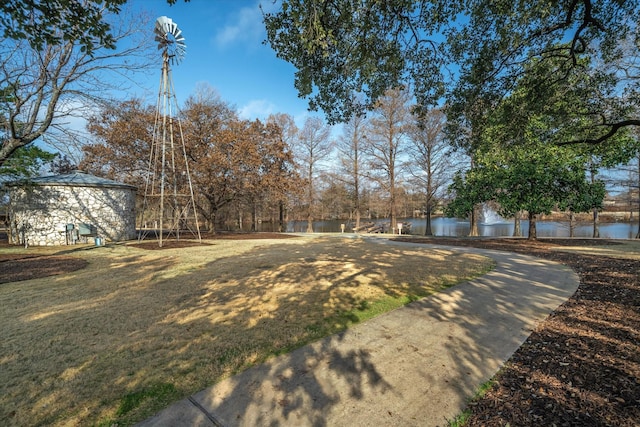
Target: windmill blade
{"points": [[170, 38], [160, 25]]}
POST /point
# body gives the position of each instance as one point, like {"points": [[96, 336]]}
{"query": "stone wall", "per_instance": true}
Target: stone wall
{"points": [[41, 214]]}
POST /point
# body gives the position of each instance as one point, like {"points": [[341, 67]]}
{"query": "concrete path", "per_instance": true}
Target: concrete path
{"points": [[414, 366]]}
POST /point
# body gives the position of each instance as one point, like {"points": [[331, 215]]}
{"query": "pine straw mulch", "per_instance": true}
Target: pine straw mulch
{"points": [[581, 367]]}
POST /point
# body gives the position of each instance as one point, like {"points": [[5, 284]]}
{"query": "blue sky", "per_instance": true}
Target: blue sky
{"points": [[225, 49]]}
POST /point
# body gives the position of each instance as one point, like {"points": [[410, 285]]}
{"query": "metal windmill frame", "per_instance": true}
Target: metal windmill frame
{"points": [[169, 201]]}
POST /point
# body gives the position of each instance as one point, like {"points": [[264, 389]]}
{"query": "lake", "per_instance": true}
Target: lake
{"points": [[458, 228]]}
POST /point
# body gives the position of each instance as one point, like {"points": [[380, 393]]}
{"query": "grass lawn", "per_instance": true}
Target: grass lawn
{"points": [[137, 329]]}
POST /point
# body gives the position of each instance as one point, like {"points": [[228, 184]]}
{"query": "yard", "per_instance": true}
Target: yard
{"points": [[112, 334]]}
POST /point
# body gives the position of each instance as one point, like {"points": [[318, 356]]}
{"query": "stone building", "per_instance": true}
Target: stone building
{"points": [[70, 208]]}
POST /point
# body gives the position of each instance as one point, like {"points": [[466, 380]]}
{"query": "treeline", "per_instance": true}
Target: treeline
{"points": [[395, 161], [390, 163]]}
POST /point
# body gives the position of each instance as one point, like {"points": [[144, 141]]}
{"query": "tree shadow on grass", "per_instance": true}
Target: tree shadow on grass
{"points": [[150, 323], [413, 368]]}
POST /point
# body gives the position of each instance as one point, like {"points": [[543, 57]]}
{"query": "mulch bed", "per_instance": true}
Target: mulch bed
{"points": [[17, 268], [581, 367]]}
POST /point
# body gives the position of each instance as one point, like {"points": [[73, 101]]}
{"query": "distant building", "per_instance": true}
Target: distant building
{"points": [[65, 209]]}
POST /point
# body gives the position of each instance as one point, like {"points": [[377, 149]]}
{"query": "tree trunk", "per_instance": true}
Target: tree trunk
{"points": [[281, 228], [473, 219], [427, 229], [357, 219], [596, 223], [310, 223], [572, 224], [638, 235], [394, 216], [212, 221], [517, 230], [254, 218], [533, 234]]}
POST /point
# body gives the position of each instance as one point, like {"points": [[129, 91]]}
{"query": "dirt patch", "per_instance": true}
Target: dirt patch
{"points": [[581, 367]]}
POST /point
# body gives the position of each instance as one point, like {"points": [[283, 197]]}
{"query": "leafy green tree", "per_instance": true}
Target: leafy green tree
{"points": [[26, 162], [342, 47], [538, 179], [345, 47], [535, 178], [468, 189], [54, 22], [502, 38], [587, 195], [518, 167]]}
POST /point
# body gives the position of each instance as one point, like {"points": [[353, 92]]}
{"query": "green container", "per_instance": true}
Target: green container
{"points": [[87, 229]]}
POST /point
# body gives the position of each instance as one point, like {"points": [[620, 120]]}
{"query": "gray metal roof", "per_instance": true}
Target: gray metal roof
{"points": [[74, 179]]}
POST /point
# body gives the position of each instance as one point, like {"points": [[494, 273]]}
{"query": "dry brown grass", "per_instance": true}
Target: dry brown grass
{"points": [[136, 329]]}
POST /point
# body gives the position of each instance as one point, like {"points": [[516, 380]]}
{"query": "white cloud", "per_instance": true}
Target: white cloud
{"points": [[257, 109], [244, 25]]}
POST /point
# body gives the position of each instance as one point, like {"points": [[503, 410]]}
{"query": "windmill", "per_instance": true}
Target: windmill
{"points": [[169, 208]]}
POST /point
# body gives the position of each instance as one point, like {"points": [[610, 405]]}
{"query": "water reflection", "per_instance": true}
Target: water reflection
{"points": [[458, 228]]}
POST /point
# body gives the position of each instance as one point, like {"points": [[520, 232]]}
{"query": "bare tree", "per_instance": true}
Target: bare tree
{"points": [[287, 131], [349, 146], [312, 145], [287, 125], [432, 165], [386, 142], [44, 89]]}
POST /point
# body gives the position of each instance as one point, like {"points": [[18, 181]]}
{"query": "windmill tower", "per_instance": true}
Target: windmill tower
{"points": [[169, 209]]}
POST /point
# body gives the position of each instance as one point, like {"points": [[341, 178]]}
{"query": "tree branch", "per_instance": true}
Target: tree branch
{"points": [[614, 128]]}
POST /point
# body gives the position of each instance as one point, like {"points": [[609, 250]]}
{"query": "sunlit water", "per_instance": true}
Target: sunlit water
{"points": [[457, 228]]}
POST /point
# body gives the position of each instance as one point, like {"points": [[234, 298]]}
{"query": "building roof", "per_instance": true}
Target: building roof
{"points": [[74, 179]]}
